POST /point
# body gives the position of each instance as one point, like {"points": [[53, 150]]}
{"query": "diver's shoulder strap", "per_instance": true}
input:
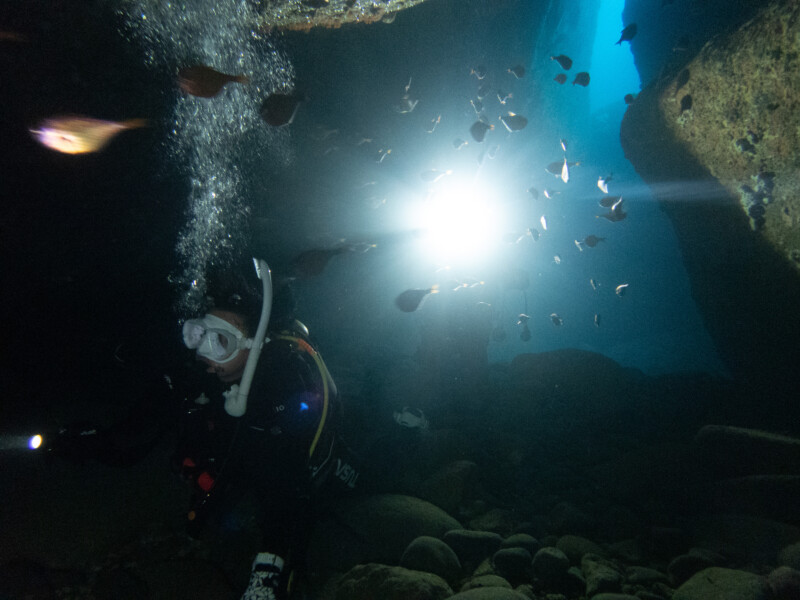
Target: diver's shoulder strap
{"points": [[327, 383]]}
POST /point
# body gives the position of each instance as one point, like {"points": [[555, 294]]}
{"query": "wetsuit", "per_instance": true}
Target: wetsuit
{"points": [[285, 447]]}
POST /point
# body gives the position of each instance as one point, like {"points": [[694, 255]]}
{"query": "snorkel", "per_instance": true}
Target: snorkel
{"points": [[236, 397]]}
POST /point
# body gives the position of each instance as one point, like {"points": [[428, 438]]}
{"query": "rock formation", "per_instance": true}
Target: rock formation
{"points": [[718, 142], [305, 14]]}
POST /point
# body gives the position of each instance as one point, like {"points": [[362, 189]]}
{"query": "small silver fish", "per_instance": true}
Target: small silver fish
{"points": [[557, 321], [620, 289], [565, 171], [434, 123], [543, 221]]}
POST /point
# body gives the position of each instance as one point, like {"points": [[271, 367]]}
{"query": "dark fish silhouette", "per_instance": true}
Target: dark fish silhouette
{"points": [[627, 33], [609, 201], [581, 78], [479, 129], [279, 109], [629, 99], [484, 90], [518, 71], [592, 240], [410, 300], [563, 60], [555, 168], [616, 213], [560, 78], [514, 122], [205, 82], [557, 321], [686, 103], [533, 192]]}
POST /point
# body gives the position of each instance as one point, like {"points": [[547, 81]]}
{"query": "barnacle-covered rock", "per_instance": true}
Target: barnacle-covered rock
{"points": [[744, 120], [302, 15], [725, 171]]}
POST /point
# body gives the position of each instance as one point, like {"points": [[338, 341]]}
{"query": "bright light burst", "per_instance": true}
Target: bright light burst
{"points": [[460, 223]]}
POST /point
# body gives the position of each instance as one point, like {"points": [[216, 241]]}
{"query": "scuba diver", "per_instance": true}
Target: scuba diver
{"points": [[283, 414]]}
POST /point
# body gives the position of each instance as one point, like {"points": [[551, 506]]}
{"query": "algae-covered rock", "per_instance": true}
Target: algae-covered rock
{"points": [[716, 583], [489, 593], [305, 14], [486, 581], [698, 136], [789, 556], [745, 538], [513, 564], [736, 107], [472, 547], [375, 529], [432, 555], [365, 582], [601, 575], [522, 540], [549, 564], [575, 547]]}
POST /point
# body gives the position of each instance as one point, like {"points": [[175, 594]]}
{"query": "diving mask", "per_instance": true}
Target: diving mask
{"points": [[214, 338]]}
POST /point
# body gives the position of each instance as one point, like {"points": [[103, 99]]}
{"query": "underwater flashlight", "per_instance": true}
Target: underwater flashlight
{"points": [[21, 442]]}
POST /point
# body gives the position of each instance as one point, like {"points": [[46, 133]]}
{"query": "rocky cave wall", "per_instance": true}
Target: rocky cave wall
{"points": [[717, 140]]}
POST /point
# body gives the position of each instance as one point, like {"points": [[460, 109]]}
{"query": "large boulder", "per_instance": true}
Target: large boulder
{"points": [[718, 142], [365, 582], [374, 529], [716, 583]]}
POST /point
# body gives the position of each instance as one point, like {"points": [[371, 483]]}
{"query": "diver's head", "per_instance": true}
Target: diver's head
{"points": [[220, 340]]}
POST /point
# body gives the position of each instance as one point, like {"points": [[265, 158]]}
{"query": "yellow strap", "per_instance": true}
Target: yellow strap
{"points": [[323, 370]]}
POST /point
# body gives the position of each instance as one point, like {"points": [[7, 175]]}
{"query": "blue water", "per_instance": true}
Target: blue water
{"points": [[655, 327], [209, 184]]}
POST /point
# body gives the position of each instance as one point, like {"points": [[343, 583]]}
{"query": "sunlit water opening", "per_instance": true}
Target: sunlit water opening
{"points": [[613, 68]]}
